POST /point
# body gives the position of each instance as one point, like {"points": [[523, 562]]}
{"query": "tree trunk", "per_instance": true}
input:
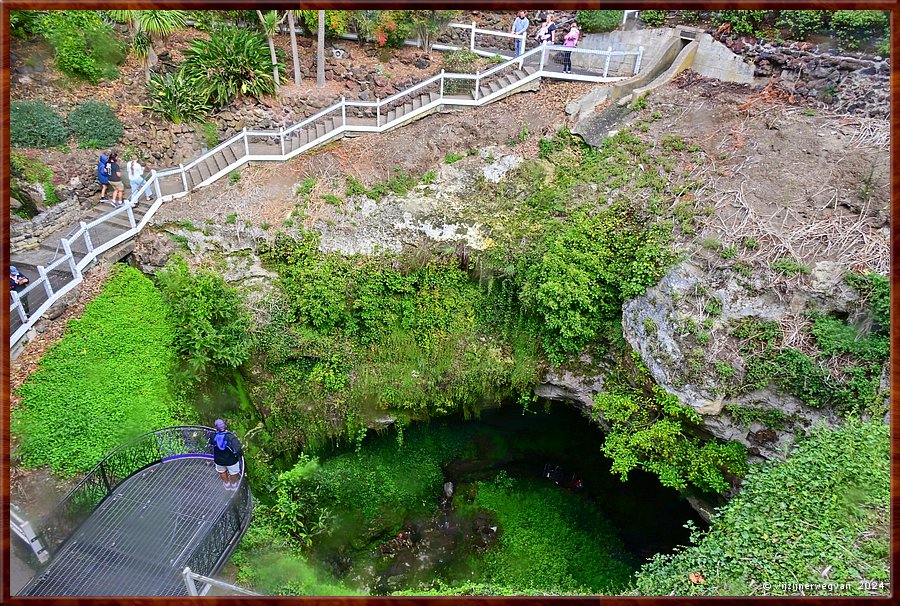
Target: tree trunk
{"points": [[297, 74], [320, 53], [274, 63], [150, 61], [271, 50]]}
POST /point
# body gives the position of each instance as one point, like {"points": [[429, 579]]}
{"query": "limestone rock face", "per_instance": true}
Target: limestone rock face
{"points": [[664, 327]]}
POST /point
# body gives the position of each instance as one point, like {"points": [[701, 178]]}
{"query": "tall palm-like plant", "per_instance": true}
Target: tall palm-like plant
{"points": [[161, 24], [270, 23], [296, 57], [320, 52], [146, 28]]}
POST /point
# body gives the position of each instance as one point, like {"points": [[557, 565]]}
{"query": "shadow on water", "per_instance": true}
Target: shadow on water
{"points": [[650, 517]]}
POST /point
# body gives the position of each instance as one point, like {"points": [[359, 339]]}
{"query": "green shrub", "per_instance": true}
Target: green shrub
{"points": [[855, 26], [85, 45], [231, 63], [789, 267], [96, 122], [747, 23], [801, 23], [653, 18], [452, 157], [213, 324], [176, 99], [461, 61], [34, 171], [599, 21], [650, 432], [34, 124], [762, 543], [105, 381], [210, 134], [578, 278]]}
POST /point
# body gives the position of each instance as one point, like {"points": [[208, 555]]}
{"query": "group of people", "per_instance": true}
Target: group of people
{"points": [[109, 173], [546, 34]]}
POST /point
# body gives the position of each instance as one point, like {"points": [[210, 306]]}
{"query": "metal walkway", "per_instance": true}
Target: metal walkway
{"points": [[171, 514]]}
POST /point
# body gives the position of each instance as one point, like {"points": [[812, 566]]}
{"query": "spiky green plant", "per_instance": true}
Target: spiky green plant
{"points": [[175, 99], [232, 62]]}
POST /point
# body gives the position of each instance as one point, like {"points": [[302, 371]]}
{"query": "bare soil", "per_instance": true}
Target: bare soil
{"points": [[806, 184]]}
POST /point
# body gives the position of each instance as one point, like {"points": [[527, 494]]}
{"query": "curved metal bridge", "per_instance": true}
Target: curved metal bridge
{"points": [[152, 507]]}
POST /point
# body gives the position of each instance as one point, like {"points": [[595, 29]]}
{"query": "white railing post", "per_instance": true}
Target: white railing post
{"points": [[543, 57], [183, 176], [442, 84], [281, 136], [246, 143], [87, 237], [43, 274], [524, 38], [472, 39], [344, 111], [608, 57], [20, 309], [637, 63], [73, 266], [378, 113], [155, 184], [129, 209], [189, 581], [477, 87]]}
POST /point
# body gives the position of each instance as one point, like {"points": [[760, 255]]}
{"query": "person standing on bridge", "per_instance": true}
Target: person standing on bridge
{"points": [[227, 453], [519, 27]]}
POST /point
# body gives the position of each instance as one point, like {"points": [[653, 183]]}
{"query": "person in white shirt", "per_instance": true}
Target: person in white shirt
{"points": [[136, 176]]}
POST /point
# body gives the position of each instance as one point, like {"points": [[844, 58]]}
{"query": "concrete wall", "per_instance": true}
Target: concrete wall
{"points": [[715, 60], [684, 60], [654, 41]]}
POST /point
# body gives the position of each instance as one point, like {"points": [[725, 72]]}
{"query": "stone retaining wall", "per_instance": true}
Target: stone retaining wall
{"points": [[28, 234]]}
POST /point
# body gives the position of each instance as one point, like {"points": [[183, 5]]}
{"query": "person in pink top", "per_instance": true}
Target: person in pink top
{"points": [[571, 39]]}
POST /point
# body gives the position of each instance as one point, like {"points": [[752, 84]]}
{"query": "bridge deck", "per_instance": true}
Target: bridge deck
{"points": [[140, 538]]}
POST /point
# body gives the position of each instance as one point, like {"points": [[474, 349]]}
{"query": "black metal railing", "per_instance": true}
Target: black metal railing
{"points": [[218, 544], [123, 462]]}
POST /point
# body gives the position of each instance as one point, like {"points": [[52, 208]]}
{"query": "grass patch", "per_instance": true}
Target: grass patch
{"points": [[107, 380]]}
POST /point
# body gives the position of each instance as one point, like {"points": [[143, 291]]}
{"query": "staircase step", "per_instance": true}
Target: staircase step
{"points": [[494, 86], [417, 103], [219, 160], [194, 177], [204, 171], [391, 115], [320, 130], [519, 74], [211, 166], [484, 91], [432, 97], [529, 70], [228, 155]]}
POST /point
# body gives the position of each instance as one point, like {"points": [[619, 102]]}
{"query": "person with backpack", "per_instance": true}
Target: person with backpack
{"points": [[103, 176], [227, 454], [115, 179]]}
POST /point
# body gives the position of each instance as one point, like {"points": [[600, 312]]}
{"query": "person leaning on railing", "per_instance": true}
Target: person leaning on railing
{"points": [[519, 27]]}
